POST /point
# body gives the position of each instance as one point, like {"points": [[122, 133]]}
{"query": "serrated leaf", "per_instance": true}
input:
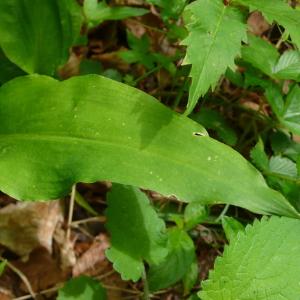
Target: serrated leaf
{"points": [[215, 34], [283, 166], [82, 288], [36, 35], [259, 157], [282, 144], [231, 227], [260, 54], [99, 12], [288, 66], [252, 267], [279, 11], [137, 233], [181, 253], [291, 116], [54, 134]]}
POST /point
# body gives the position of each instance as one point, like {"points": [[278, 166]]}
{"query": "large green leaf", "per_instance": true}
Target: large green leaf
{"points": [[279, 11], [91, 128], [261, 263], [36, 35], [215, 34], [137, 233]]}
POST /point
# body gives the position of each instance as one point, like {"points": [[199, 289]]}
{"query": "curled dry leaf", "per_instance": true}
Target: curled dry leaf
{"points": [[93, 261], [26, 226]]}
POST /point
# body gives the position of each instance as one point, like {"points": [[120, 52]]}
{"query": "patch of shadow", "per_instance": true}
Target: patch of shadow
{"points": [[152, 117]]}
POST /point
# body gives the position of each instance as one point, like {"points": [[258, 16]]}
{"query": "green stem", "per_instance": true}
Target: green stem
{"points": [[146, 295], [223, 213]]}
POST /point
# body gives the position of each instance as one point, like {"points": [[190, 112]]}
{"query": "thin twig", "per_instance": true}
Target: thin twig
{"points": [[101, 219], [71, 209], [22, 276], [223, 213], [50, 290]]}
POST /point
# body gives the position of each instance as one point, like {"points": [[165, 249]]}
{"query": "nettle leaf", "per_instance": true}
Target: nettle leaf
{"points": [[99, 12], [215, 34], [279, 11], [181, 254], [82, 288], [54, 134], [36, 35], [137, 233], [291, 115], [252, 267]]}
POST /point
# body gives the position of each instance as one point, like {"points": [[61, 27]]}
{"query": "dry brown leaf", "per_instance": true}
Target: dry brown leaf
{"points": [[93, 261], [26, 226], [257, 23]]}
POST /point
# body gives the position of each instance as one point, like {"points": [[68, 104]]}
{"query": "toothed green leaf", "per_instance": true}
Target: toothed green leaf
{"points": [[214, 40], [261, 263], [137, 233], [279, 11]]}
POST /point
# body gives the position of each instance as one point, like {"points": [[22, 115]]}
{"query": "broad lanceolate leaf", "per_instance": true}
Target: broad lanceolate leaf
{"points": [[279, 11], [91, 128], [137, 233], [215, 35], [261, 263], [179, 260], [99, 12], [36, 35], [82, 288]]}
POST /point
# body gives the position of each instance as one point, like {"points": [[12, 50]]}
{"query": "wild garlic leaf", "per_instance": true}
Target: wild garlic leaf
{"points": [[253, 265], [137, 233], [215, 35], [181, 254], [279, 11], [72, 133], [36, 35], [82, 288]]}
